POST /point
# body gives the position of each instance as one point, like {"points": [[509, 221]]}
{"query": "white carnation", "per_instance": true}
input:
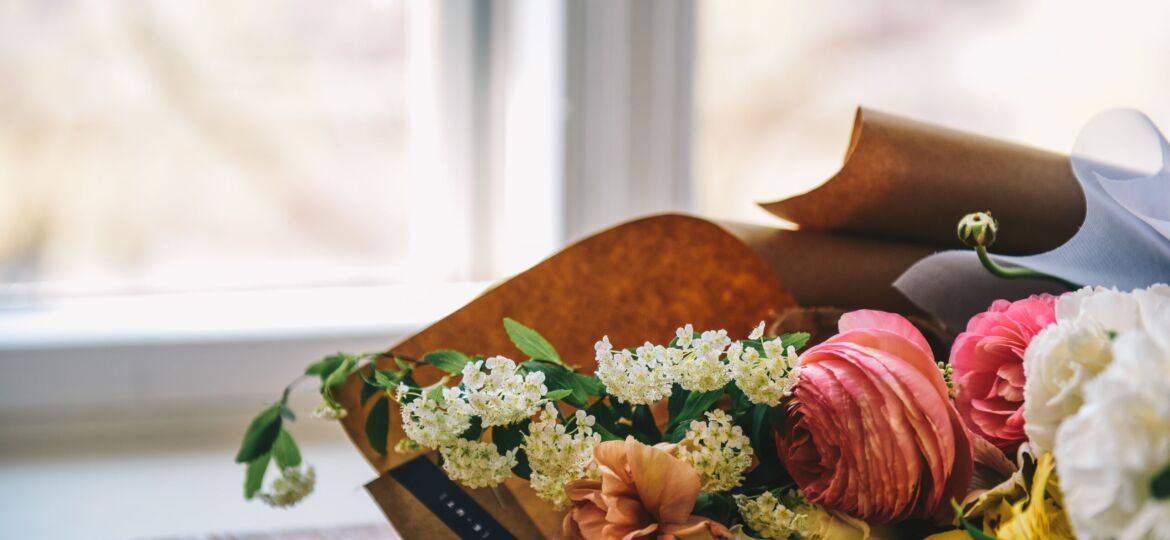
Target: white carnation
{"points": [[1109, 451], [1069, 353], [1057, 364]]}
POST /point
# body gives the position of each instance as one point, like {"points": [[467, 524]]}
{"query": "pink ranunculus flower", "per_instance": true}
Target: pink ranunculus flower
{"points": [[871, 432], [988, 360]]}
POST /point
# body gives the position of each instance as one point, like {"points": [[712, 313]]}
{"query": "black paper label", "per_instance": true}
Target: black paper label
{"points": [[448, 501]]}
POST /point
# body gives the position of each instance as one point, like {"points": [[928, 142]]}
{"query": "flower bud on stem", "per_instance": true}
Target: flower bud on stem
{"points": [[978, 230]]}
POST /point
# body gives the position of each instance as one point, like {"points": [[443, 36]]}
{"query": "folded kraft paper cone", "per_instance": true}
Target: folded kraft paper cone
{"points": [[897, 198], [909, 181]]}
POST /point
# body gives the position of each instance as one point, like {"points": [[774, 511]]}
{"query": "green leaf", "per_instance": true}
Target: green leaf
{"points": [[254, 475], [509, 437], [713, 505], [285, 451], [644, 425], [322, 368], [590, 383], [447, 360], [475, 431], [795, 339], [340, 374], [554, 395], [972, 530], [674, 404], [696, 404], [530, 342], [434, 392], [378, 425], [368, 389], [287, 412], [739, 400], [522, 468], [260, 435], [1160, 485], [403, 365], [760, 423], [557, 377], [604, 421]]}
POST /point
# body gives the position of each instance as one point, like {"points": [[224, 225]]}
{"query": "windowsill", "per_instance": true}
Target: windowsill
{"points": [[196, 353], [233, 316]]}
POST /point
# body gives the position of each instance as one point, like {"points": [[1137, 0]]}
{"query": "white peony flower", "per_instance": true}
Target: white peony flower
{"points": [[1110, 450]]}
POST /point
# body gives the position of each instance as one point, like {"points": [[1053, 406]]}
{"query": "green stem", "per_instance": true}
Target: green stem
{"points": [[1019, 272]]}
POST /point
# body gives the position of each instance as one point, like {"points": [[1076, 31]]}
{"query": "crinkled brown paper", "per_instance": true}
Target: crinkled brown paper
{"points": [[902, 189]]}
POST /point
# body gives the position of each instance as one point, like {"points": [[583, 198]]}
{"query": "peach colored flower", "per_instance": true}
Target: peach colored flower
{"points": [[988, 360], [644, 492], [871, 432]]}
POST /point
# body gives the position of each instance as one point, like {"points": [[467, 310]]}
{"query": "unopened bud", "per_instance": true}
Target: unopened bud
{"points": [[978, 229]]}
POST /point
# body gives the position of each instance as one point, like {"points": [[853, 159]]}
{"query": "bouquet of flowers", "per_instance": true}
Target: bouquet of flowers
{"points": [[1048, 417]]}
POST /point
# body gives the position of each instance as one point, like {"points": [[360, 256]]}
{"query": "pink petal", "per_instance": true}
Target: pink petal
{"points": [[868, 319]]}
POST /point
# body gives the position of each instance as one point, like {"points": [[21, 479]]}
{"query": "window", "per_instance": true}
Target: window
{"points": [[777, 82], [172, 146]]}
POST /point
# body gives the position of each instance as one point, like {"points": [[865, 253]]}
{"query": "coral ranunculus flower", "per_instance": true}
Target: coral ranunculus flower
{"points": [[988, 360], [644, 492], [871, 432]]}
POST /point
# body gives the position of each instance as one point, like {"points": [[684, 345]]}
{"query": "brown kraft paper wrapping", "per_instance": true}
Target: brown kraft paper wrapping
{"points": [[910, 181], [637, 281], [898, 197]]}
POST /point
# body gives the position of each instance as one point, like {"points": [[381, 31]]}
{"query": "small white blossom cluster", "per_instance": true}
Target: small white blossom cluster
{"points": [[717, 450], [638, 378], [558, 456], [329, 410], [476, 463], [770, 517], [293, 485], [434, 423], [701, 367], [698, 364], [764, 379], [500, 395]]}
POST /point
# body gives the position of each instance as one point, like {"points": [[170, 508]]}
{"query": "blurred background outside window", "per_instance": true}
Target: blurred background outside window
{"points": [[197, 198]]}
